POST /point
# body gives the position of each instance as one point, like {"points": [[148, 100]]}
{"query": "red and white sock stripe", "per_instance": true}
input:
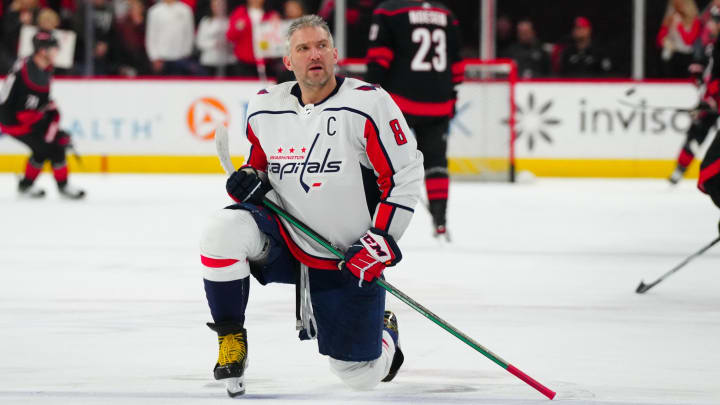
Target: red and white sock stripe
{"points": [[224, 269]]}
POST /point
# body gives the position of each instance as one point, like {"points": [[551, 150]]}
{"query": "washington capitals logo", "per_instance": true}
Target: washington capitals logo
{"points": [[296, 160]]}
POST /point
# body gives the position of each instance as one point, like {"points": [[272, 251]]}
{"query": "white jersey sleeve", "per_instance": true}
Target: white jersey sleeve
{"points": [[392, 152]]}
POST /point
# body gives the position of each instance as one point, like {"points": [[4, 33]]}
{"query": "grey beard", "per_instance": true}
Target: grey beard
{"points": [[309, 83]]}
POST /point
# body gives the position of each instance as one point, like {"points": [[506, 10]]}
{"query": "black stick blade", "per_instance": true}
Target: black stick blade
{"points": [[641, 288]]}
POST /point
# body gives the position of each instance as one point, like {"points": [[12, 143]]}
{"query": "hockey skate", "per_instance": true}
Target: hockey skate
{"points": [[437, 210], [28, 189], [70, 192], [391, 326], [440, 232], [677, 175], [232, 357]]}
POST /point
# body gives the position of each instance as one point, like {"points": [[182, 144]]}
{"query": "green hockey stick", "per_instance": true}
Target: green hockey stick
{"points": [[223, 150]]}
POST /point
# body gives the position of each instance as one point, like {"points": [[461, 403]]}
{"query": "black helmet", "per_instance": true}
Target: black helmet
{"points": [[43, 40]]}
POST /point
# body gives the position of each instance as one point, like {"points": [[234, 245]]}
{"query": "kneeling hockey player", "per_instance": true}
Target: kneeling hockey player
{"points": [[338, 155]]}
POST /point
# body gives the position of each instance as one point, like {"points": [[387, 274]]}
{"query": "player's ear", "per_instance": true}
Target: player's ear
{"points": [[286, 62], [335, 55]]}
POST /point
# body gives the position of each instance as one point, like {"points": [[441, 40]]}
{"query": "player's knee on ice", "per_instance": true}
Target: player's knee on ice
{"points": [[231, 234], [360, 375]]}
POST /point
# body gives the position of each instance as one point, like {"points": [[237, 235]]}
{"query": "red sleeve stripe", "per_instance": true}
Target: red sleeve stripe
{"points": [[423, 108], [15, 130], [381, 55], [29, 83], [379, 159], [257, 157], [381, 52], [304, 257], [458, 68], [382, 11], [708, 173], [383, 218], [216, 263], [28, 117], [382, 62]]}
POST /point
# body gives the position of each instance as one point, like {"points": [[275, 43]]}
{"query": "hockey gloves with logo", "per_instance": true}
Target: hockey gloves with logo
{"points": [[367, 257], [245, 185]]}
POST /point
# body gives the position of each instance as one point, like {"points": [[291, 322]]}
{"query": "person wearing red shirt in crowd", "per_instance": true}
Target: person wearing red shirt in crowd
{"points": [[242, 34], [680, 29]]}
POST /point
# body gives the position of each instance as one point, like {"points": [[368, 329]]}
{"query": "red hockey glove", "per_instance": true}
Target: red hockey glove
{"points": [[63, 138], [367, 258]]}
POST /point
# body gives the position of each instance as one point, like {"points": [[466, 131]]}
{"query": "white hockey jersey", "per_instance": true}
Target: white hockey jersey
{"points": [[341, 166]]}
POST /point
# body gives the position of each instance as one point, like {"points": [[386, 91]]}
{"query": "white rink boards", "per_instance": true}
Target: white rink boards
{"points": [[101, 301]]}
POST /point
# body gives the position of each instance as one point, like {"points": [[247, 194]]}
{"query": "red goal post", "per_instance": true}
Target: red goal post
{"points": [[481, 143]]}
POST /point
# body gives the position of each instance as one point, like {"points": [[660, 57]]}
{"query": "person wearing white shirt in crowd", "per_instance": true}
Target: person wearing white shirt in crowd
{"points": [[169, 38], [214, 47]]}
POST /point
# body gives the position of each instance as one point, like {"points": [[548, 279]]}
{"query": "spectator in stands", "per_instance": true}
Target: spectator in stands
{"points": [[293, 9], [528, 53], [215, 52], [706, 21], [169, 38], [19, 13], [129, 41], [358, 17], [504, 35], [121, 8], [66, 11], [243, 35], [581, 58], [102, 18], [677, 36], [48, 19]]}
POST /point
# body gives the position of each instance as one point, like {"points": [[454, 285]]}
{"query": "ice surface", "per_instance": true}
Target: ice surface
{"points": [[101, 301]]}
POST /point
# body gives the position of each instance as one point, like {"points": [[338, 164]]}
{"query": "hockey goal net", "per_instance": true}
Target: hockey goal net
{"points": [[482, 133]]}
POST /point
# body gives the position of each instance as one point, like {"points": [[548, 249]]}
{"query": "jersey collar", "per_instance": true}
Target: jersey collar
{"points": [[295, 91]]}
